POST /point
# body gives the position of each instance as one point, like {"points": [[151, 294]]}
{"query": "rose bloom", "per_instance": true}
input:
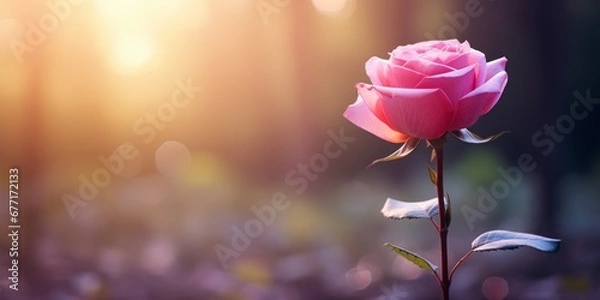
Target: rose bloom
{"points": [[427, 89]]}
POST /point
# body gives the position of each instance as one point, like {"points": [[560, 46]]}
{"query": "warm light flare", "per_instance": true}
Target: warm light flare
{"points": [[132, 52], [10, 29], [136, 14], [335, 7]]}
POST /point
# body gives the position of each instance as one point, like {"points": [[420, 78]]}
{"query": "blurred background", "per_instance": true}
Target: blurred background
{"points": [[174, 149]]}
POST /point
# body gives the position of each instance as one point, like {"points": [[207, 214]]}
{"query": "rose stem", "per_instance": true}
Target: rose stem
{"points": [[443, 232]]}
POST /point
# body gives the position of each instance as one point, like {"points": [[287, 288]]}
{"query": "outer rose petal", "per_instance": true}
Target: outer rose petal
{"points": [[494, 67], [359, 114], [382, 72], [371, 98], [455, 84], [376, 70], [420, 113], [478, 58], [496, 83], [469, 111], [479, 102]]}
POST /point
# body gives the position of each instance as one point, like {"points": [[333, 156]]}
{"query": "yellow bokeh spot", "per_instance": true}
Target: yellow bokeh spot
{"points": [[303, 221], [205, 169], [251, 271]]}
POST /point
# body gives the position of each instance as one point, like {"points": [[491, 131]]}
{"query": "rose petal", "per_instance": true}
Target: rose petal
{"points": [[399, 59], [479, 102], [494, 67], [496, 83], [420, 113], [405, 53], [465, 46], [427, 67], [478, 58], [458, 61], [459, 57], [455, 84], [468, 111], [436, 44], [404, 77], [376, 70], [402, 54], [452, 54], [371, 98], [450, 44], [359, 114], [382, 72], [436, 51]]}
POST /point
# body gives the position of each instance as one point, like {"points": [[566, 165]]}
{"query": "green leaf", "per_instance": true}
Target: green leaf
{"points": [[409, 146], [413, 257], [466, 136], [432, 175], [396, 209], [508, 240]]}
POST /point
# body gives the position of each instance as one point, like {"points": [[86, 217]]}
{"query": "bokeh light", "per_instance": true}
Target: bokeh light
{"points": [[158, 256], [358, 278], [172, 158], [252, 271], [274, 85], [88, 283], [495, 288], [206, 169]]}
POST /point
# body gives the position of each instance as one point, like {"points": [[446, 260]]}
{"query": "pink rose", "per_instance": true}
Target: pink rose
{"points": [[427, 89]]}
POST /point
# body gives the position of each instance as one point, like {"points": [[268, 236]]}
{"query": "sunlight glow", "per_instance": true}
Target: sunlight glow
{"points": [[10, 29], [335, 7], [132, 52], [195, 15], [136, 14]]}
